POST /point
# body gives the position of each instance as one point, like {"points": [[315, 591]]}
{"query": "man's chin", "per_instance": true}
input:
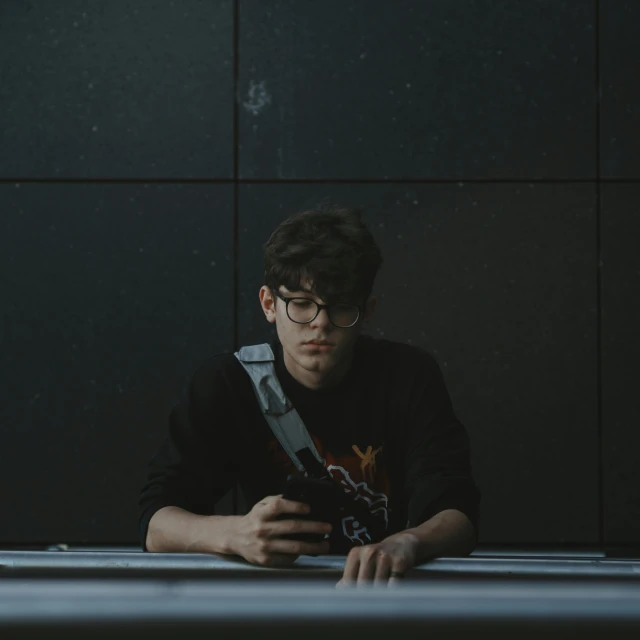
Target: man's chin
{"points": [[317, 361]]}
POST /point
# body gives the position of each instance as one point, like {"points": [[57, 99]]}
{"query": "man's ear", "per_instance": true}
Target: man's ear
{"points": [[370, 307], [268, 304]]}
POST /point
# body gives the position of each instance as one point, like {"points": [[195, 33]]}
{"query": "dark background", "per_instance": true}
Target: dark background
{"points": [[148, 148]]}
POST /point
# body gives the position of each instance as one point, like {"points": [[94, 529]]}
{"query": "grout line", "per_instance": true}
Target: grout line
{"points": [[235, 172], [22, 180], [236, 163], [599, 437], [237, 180]]}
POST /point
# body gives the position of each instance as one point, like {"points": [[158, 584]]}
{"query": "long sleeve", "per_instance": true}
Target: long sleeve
{"points": [[195, 466], [437, 456]]}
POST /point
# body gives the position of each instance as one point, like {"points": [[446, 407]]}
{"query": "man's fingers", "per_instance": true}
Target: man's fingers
{"points": [[297, 548], [265, 502], [281, 528], [396, 574], [290, 506], [351, 568], [368, 562], [277, 505], [383, 569]]}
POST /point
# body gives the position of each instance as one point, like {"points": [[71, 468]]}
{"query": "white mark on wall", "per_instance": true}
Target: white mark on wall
{"points": [[258, 98]]}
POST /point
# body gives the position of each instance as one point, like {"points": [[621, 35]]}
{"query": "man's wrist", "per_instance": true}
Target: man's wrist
{"points": [[215, 534], [228, 534], [423, 545], [409, 535], [173, 529], [448, 533]]}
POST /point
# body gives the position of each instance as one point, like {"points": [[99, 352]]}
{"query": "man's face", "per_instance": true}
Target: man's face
{"points": [[318, 347]]}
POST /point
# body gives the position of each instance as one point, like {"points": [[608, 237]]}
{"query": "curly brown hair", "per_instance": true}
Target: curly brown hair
{"points": [[329, 247]]}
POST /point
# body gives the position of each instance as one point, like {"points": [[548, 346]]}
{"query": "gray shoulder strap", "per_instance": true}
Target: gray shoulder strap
{"points": [[287, 426]]}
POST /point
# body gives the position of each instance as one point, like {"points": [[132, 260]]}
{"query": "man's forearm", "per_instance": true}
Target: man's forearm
{"points": [[172, 529], [448, 533]]}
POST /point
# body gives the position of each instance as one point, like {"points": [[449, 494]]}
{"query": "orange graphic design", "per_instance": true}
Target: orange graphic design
{"points": [[368, 461]]}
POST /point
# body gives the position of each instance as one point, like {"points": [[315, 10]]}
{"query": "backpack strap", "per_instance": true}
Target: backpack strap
{"points": [[285, 423]]}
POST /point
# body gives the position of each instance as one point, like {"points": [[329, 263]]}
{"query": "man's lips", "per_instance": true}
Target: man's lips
{"points": [[319, 343]]}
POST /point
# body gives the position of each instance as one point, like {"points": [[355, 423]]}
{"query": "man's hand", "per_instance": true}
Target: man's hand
{"points": [[449, 532], [257, 536], [382, 563]]}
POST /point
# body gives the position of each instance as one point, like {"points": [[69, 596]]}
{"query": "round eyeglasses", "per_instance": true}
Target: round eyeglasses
{"points": [[305, 310]]}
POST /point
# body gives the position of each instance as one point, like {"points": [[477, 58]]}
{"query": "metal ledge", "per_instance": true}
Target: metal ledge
{"points": [[165, 564]]}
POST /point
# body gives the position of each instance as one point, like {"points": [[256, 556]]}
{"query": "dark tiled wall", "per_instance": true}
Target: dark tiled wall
{"points": [[416, 90], [136, 194], [120, 89]]}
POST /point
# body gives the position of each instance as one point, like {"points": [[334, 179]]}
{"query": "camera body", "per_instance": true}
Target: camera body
{"points": [[323, 498], [329, 503]]}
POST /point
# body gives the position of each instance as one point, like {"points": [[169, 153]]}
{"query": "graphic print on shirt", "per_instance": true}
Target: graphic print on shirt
{"points": [[376, 503], [368, 460], [359, 477]]}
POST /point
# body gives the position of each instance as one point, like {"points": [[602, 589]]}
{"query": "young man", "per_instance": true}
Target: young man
{"points": [[377, 412]]}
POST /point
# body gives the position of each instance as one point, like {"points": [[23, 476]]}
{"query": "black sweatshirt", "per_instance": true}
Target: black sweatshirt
{"points": [[387, 433]]}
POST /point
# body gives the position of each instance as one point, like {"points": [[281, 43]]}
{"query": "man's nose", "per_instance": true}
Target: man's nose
{"points": [[322, 319]]}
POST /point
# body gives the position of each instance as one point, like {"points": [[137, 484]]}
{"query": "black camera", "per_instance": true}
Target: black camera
{"points": [[328, 502], [320, 494]]}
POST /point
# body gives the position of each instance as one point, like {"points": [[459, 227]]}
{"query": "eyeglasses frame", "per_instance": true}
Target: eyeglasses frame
{"points": [[319, 306]]}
